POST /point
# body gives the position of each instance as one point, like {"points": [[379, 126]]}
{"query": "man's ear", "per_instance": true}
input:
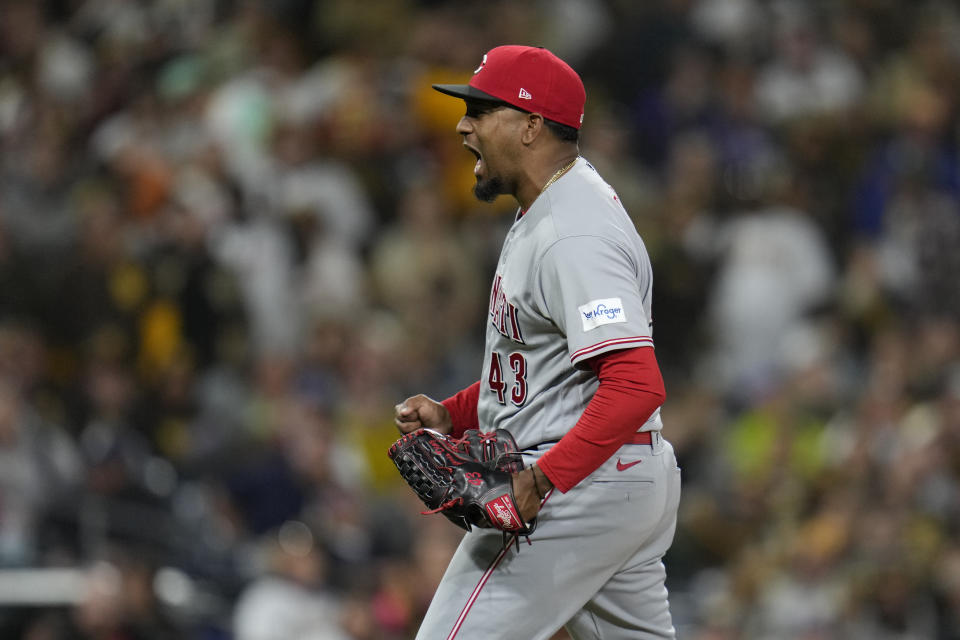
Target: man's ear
{"points": [[534, 128]]}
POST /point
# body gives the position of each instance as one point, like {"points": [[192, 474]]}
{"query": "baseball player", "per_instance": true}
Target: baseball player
{"points": [[569, 370]]}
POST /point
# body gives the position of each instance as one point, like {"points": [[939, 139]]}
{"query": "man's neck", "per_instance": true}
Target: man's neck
{"points": [[539, 177]]}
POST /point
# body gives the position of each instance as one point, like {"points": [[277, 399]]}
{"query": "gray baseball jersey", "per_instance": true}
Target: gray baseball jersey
{"points": [[573, 281]]}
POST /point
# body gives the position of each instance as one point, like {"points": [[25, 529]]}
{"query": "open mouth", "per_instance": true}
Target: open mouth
{"points": [[477, 168]]}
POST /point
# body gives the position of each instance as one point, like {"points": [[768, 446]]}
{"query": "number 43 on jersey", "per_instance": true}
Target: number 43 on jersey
{"points": [[498, 383]]}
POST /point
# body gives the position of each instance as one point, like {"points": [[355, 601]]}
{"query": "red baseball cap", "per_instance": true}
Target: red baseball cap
{"points": [[529, 78]]}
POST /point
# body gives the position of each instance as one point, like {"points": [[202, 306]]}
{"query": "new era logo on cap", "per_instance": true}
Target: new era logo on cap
{"points": [[529, 78]]}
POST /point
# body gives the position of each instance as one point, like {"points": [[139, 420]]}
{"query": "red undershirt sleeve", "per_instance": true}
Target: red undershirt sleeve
{"points": [[463, 409], [631, 389]]}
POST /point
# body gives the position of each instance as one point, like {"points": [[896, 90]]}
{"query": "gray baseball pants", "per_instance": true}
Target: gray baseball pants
{"points": [[594, 563]]}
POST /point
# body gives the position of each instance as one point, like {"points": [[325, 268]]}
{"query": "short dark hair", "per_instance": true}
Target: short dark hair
{"points": [[564, 132]]}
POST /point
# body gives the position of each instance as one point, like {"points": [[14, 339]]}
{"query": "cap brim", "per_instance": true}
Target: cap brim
{"points": [[466, 92]]}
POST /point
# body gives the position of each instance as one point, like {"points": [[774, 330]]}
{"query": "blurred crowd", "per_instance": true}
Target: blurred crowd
{"points": [[233, 234]]}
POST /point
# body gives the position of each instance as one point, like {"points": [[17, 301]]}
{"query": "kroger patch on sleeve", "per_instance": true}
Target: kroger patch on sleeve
{"points": [[600, 312]]}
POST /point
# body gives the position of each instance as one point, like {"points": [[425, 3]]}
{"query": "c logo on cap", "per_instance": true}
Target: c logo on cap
{"points": [[477, 70]]}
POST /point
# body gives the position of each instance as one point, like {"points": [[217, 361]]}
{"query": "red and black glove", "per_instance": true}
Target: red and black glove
{"points": [[469, 480]]}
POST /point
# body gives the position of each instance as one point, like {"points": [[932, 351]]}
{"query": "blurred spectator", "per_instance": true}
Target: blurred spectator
{"points": [[806, 77], [40, 469], [289, 600], [425, 272], [774, 270]]}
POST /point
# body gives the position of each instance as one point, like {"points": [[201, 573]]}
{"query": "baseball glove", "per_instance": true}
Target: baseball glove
{"points": [[469, 480], [496, 449]]}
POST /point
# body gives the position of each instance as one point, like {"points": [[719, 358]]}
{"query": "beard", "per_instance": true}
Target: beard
{"points": [[488, 190]]}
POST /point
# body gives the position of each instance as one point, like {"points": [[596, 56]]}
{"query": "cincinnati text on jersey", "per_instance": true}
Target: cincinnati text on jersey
{"points": [[503, 315]]}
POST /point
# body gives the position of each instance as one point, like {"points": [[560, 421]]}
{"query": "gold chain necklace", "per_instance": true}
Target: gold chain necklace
{"points": [[560, 172]]}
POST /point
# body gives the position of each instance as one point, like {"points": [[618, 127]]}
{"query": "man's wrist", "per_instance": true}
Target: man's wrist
{"points": [[540, 481]]}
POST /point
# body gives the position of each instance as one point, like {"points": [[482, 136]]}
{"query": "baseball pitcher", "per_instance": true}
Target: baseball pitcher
{"points": [[553, 461]]}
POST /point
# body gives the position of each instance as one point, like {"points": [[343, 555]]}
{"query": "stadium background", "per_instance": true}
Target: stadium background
{"points": [[234, 234]]}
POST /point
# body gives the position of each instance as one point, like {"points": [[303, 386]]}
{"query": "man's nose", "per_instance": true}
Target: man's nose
{"points": [[465, 126]]}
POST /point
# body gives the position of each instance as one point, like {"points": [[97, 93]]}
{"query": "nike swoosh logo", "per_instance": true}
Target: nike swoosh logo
{"points": [[624, 467]]}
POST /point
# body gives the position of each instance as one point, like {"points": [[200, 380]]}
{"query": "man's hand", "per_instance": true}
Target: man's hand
{"points": [[529, 488], [420, 411]]}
